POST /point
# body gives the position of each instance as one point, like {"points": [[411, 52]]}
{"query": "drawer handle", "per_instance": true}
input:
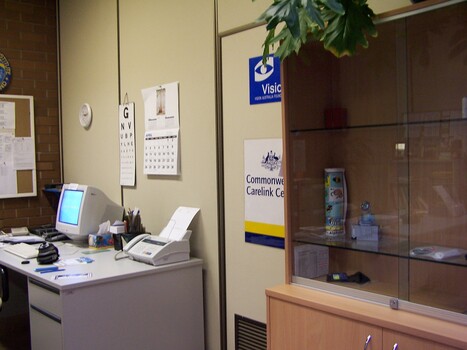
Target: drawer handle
{"points": [[44, 286], [46, 314], [368, 339], [395, 347]]}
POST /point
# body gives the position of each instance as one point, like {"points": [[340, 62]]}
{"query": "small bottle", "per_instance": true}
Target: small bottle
{"points": [[366, 218]]}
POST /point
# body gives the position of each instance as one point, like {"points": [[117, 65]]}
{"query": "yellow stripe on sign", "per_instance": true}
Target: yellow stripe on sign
{"points": [[265, 229]]}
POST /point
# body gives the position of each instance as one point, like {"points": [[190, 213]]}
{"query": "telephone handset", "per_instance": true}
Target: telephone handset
{"points": [[135, 240]]}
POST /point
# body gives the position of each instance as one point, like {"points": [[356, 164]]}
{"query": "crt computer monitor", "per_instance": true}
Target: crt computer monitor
{"points": [[82, 209]]}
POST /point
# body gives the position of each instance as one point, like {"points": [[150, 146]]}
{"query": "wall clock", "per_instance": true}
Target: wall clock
{"points": [[85, 115], [5, 72]]}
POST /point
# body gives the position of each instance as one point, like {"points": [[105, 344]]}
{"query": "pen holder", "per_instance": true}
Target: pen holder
{"points": [[121, 239], [118, 244], [129, 236]]}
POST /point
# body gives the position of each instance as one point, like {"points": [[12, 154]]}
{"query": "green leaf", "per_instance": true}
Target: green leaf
{"points": [[335, 6], [292, 21], [340, 24], [313, 13], [344, 33]]}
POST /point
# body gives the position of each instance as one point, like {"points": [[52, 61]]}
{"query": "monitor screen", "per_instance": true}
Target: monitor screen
{"points": [[82, 208], [70, 208]]}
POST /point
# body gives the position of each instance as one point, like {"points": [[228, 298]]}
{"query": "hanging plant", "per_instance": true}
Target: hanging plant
{"points": [[341, 25]]}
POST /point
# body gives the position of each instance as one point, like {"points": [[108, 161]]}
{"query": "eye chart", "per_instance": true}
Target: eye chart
{"points": [[161, 139], [126, 113]]}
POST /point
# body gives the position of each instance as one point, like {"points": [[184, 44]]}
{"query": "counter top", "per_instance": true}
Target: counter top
{"points": [[104, 268]]}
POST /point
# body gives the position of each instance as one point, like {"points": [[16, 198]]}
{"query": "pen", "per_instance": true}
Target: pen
{"points": [[47, 271]]}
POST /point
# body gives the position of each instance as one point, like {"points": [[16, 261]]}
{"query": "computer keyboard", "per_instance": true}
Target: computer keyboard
{"points": [[23, 250]]}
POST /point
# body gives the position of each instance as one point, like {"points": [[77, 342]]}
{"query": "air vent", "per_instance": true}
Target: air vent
{"points": [[249, 334]]}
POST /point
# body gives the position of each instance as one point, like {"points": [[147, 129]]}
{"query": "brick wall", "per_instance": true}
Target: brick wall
{"points": [[28, 39]]}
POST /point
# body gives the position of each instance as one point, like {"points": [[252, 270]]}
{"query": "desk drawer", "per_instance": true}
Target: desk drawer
{"points": [[46, 333], [45, 298]]}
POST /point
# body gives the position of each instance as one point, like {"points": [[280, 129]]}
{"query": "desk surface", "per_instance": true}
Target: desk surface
{"points": [[103, 269]]}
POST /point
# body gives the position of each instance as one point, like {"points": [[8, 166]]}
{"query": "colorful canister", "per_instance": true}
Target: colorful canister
{"points": [[335, 201]]}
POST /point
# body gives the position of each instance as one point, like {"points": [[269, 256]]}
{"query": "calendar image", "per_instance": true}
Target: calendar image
{"points": [[161, 152]]}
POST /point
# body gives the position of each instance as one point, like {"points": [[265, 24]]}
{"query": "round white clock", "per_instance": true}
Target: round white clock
{"points": [[85, 115]]}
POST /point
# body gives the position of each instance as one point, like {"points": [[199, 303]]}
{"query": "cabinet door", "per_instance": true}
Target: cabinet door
{"points": [[406, 342], [394, 118], [295, 327]]}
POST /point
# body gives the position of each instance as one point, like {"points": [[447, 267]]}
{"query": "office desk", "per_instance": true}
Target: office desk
{"points": [[124, 304]]}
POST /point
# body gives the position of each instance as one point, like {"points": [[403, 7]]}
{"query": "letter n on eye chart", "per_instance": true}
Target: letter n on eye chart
{"points": [[126, 115]]}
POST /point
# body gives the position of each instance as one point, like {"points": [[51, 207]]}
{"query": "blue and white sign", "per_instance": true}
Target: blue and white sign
{"points": [[265, 80]]}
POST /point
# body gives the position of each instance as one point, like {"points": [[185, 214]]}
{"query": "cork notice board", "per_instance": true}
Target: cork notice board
{"points": [[17, 147]]}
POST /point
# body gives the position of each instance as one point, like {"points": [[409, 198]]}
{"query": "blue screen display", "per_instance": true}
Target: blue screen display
{"points": [[70, 207]]}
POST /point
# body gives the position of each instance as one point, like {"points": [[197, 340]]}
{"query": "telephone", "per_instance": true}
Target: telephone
{"points": [[158, 250]]}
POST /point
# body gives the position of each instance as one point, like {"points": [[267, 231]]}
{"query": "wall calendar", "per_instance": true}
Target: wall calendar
{"points": [[161, 138]]}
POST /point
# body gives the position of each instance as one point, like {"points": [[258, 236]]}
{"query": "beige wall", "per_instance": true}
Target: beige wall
{"points": [[380, 6], [238, 13], [250, 268], [158, 47], [160, 42], [90, 75]]}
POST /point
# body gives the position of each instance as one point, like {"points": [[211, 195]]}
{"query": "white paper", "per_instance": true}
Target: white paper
{"points": [[6, 147], [264, 203], [23, 239], [179, 222], [126, 114], [104, 227], [8, 183], [7, 115], [74, 261], [23, 153]]}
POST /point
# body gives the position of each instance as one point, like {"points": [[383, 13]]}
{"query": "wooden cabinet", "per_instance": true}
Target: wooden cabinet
{"points": [[404, 341], [394, 118], [295, 326], [301, 318]]}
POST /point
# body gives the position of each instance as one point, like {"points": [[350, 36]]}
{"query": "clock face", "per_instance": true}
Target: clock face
{"points": [[85, 115]]}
